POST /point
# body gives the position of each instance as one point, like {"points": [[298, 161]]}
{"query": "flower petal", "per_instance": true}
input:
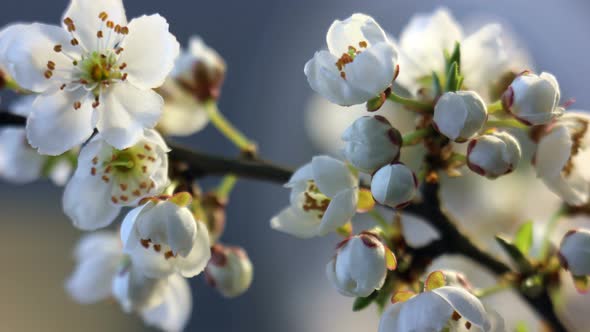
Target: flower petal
{"points": [[351, 31], [126, 112], [373, 70], [389, 319], [553, 151], [150, 51], [199, 256], [424, 312], [19, 163], [466, 304], [55, 127], [183, 115], [176, 307], [341, 209], [331, 175], [292, 222]]}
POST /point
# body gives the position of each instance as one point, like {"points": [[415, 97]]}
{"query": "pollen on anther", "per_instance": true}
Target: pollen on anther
{"points": [[48, 74], [105, 178], [123, 66], [103, 16], [363, 44], [93, 171], [147, 147], [110, 24], [136, 193], [157, 247], [114, 199], [117, 28], [124, 198], [145, 243], [123, 186], [124, 77], [74, 42], [77, 105], [51, 65], [57, 48], [99, 34], [124, 30], [169, 254]]}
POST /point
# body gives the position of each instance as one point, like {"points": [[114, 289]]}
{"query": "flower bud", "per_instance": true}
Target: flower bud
{"points": [[533, 99], [214, 215], [359, 266], [394, 185], [229, 270], [371, 142], [493, 155], [573, 252], [459, 115]]}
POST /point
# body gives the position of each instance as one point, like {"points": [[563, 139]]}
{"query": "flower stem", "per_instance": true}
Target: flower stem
{"points": [[415, 137], [495, 107], [512, 123], [227, 129], [481, 293], [226, 186], [413, 104], [549, 228]]}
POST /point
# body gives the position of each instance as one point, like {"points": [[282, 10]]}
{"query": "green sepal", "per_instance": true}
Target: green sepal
{"points": [[361, 303], [515, 254], [523, 239]]}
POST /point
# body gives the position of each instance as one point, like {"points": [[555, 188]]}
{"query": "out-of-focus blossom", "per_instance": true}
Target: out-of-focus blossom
{"points": [[574, 252], [229, 271], [460, 115], [394, 185], [493, 155]]}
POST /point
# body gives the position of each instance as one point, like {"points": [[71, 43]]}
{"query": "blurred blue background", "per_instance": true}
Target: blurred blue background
{"points": [[265, 44]]}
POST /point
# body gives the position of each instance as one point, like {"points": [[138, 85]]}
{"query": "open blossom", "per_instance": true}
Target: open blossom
{"points": [[562, 158], [324, 195], [108, 179], [394, 185], [442, 309], [493, 155], [229, 271], [162, 237], [533, 99], [359, 65], [460, 115], [360, 265], [96, 71]]}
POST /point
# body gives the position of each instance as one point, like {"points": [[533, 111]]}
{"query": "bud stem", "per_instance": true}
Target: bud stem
{"points": [[227, 129], [386, 227], [495, 107], [505, 123], [415, 137], [501, 286], [549, 228], [226, 186], [413, 104]]}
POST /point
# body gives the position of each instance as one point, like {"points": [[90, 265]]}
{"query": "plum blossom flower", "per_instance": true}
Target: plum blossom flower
{"points": [[162, 237], [96, 71], [108, 179], [460, 115], [324, 195], [493, 155], [562, 157], [360, 63], [229, 271]]}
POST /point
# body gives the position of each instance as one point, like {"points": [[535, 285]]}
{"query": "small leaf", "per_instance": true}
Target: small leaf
{"points": [[402, 296], [582, 284], [390, 259], [345, 230], [181, 199], [365, 202], [435, 280], [436, 84], [455, 57], [452, 77], [361, 303], [523, 239], [515, 254], [376, 103]]}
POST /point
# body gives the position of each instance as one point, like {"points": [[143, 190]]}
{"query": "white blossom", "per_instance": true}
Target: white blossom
{"points": [[175, 308], [359, 266], [360, 62], [493, 155], [394, 185], [229, 271], [108, 179], [371, 142], [460, 115], [163, 237], [96, 71], [574, 252], [324, 195], [562, 157], [533, 99]]}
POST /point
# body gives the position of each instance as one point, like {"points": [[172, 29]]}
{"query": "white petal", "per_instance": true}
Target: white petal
{"points": [[466, 304], [182, 114], [61, 172], [373, 70], [574, 189], [331, 175], [181, 229], [174, 312], [103, 243], [426, 312], [85, 13], [128, 225], [553, 151], [126, 112], [199, 256], [292, 222], [389, 319], [483, 57], [150, 51], [25, 50], [355, 29], [302, 174], [341, 209], [55, 127], [19, 163]]}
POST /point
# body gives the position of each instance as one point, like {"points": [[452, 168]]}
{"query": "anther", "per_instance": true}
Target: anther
{"points": [[136, 192], [117, 28], [157, 247], [57, 48], [119, 50], [110, 24], [77, 105], [124, 198], [123, 66], [48, 74], [145, 243], [63, 86], [99, 34], [169, 254], [124, 77], [51, 65], [74, 42], [124, 30], [105, 178], [93, 171], [147, 147], [114, 199], [103, 16], [363, 44], [107, 169], [123, 186]]}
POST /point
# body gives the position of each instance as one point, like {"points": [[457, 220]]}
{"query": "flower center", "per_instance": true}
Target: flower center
{"points": [[314, 200], [347, 58]]}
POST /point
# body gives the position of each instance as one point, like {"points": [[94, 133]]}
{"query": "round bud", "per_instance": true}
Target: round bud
{"points": [[459, 115], [371, 142], [493, 155], [359, 266], [533, 99], [574, 252], [230, 270], [394, 185]]}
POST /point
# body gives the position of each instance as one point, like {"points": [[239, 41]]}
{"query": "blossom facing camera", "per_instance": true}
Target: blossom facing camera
{"points": [[324, 197], [371, 142], [533, 99], [562, 157], [359, 65], [493, 155], [230, 270], [96, 71], [108, 179], [162, 237], [460, 115], [359, 266], [574, 250], [394, 185]]}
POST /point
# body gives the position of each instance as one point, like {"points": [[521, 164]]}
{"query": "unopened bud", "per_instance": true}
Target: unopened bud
{"points": [[394, 185], [230, 270], [493, 155], [459, 115]]}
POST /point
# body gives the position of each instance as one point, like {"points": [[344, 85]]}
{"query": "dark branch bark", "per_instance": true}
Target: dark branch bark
{"points": [[452, 241]]}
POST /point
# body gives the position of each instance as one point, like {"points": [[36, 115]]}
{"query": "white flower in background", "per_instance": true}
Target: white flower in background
{"points": [[371, 142], [98, 257], [229, 271], [107, 179], [442, 309], [394, 185], [563, 156], [97, 71], [162, 237], [197, 78], [19, 162], [533, 99], [359, 65], [485, 57], [324, 195], [176, 304], [574, 252], [460, 115], [493, 155], [359, 266]]}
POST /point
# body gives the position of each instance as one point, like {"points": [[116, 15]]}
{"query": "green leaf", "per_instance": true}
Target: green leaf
{"points": [[453, 77], [515, 254], [523, 239], [361, 303], [455, 57], [436, 84]]}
